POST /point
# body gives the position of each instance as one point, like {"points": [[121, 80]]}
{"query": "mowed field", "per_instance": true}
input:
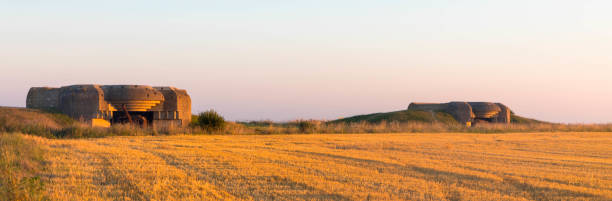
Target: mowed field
{"points": [[527, 166]]}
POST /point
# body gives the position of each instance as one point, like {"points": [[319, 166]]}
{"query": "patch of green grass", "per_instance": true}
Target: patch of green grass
{"points": [[515, 119], [21, 161], [63, 119], [402, 117]]}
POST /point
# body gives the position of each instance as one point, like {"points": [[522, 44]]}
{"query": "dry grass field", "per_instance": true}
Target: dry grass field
{"points": [[527, 166]]}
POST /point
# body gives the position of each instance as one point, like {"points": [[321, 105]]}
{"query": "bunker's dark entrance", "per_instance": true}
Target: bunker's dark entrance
{"points": [[138, 118]]}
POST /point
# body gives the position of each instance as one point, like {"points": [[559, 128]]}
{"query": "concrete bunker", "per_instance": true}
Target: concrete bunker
{"points": [[103, 105], [469, 113]]}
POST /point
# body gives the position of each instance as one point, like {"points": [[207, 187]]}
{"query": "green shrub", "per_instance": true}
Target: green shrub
{"points": [[305, 126], [211, 121], [194, 121]]}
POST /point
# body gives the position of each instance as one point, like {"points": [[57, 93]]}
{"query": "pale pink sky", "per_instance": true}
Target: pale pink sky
{"points": [[321, 59]]}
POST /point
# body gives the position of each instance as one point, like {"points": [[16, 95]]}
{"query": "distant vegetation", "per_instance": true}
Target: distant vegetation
{"points": [[54, 125], [211, 121]]}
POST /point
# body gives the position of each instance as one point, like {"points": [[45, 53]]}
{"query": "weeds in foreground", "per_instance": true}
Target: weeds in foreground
{"points": [[21, 161]]}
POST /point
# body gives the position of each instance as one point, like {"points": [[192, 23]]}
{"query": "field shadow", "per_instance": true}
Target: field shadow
{"points": [[508, 186], [261, 187]]}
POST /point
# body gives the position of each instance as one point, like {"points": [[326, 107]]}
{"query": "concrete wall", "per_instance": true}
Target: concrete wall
{"points": [[184, 106], [131, 92], [44, 98], [504, 115], [467, 112], [167, 123], [485, 109], [462, 112], [176, 100], [82, 102]]}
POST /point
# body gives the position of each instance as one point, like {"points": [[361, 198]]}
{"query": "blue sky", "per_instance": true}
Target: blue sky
{"points": [[284, 60]]}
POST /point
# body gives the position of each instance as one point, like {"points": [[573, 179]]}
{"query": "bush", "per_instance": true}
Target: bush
{"points": [[306, 126], [211, 121], [194, 121]]}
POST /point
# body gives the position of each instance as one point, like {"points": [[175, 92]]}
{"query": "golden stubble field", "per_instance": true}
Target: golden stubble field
{"points": [[527, 166]]}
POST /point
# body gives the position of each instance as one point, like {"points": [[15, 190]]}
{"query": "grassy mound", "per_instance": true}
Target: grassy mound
{"points": [[55, 125], [515, 119], [402, 117], [16, 117], [33, 121]]}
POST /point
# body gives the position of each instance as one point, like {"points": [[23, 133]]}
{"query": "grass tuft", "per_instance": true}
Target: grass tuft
{"points": [[20, 163]]}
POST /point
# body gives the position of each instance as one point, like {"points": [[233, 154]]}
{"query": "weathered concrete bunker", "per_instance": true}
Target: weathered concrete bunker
{"points": [[469, 112], [103, 105]]}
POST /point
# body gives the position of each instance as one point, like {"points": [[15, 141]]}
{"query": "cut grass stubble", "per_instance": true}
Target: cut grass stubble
{"points": [[447, 166]]}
